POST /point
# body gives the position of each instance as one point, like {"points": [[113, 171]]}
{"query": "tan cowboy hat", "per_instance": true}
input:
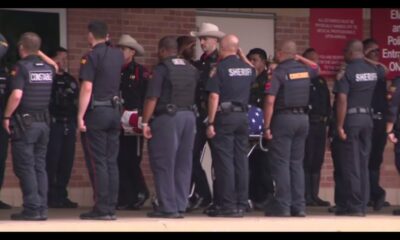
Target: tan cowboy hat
{"points": [[208, 30], [127, 41]]}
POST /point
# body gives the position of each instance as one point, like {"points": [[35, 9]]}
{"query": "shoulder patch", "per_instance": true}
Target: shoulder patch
{"points": [[4, 44], [267, 86], [14, 71], [178, 61]]}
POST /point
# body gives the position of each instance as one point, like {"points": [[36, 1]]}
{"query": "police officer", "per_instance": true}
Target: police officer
{"points": [[315, 144], [133, 191], [393, 123], [26, 118], [61, 148], [209, 35], [99, 119], [286, 127], [354, 125], [261, 186], [3, 100], [227, 126], [379, 106], [186, 48], [170, 99]]}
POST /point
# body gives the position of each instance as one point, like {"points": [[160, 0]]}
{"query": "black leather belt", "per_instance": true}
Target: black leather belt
{"points": [[359, 110], [172, 109], [317, 118], [61, 120], [296, 110], [230, 107], [107, 103]]}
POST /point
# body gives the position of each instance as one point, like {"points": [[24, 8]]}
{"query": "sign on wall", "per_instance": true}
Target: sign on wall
{"points": [[386, 31], [330, 29]]}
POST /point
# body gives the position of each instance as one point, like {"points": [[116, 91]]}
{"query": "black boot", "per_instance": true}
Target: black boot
{"points": [[315, 179], [308, 190]]}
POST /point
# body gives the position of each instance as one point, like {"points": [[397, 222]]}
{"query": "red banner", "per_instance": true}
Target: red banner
{"points": [[385, 30], [330, 29]]}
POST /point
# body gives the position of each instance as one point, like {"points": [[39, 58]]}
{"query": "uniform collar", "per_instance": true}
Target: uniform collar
{"points": [[131, 65], [287, 60], [213, 55], [31, 56], [100, 45]]}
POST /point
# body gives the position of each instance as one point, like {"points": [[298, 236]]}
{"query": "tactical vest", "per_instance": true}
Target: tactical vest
{"points": [[182, 76], [295, 90], [37, 90]]}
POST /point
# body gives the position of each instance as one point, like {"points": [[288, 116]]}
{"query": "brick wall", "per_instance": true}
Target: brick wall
{"points": [[148, 26]]}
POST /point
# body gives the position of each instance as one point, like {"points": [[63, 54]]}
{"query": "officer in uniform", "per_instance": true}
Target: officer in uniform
{"points": [[61, 148], [286, 127], [3, 100], [379, 106], [393, 123], [99, 119], [186, 48], [227, 126], [27, 119], [170, 99], [133, 191], [354, 125], [209, 36], [315, 144], [261, 186]]}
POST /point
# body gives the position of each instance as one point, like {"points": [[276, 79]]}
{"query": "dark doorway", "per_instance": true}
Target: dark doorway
{"points": [[14, 23]]}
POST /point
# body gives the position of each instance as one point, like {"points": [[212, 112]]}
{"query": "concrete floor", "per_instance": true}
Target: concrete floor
{"points": [[317, 220]]}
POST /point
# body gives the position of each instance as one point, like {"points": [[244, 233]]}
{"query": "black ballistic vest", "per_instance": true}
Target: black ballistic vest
{"points": [[37, 90], [295, 90], [182, 76]]}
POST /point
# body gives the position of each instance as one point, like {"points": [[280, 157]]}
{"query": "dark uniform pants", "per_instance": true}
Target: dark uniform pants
{"points": [[171, 152], [101, 144], [29, 163], [3, 153], [354, 165], [260, 181], [199, 177], [313, 158], [60, 158], [230, 162], [337, 151], [287, 146], [378, 147], [131, 180]]}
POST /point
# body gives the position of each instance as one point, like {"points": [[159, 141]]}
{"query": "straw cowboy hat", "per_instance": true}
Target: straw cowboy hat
{"points": [[208, 30], [127, 41]]}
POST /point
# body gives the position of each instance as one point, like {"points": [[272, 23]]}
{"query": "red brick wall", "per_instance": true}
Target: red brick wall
{"points": [[148, 26]]}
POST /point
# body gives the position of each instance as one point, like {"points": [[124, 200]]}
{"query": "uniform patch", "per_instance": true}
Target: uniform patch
{"points": [[4, 44], [83, 61], [178, 61], [300, 75], [238, 72], [40, 76], [366, 77], [267, 86], [14, 72]]}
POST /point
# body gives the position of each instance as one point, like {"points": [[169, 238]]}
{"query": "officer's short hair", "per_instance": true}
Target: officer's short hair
{"points": [[168, 43], [57, 50], [260, 52], [308, 51], [30, 41], [368, 42], [99, 29]]}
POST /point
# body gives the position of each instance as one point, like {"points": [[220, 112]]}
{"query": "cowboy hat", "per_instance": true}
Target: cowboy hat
{"points": [[127, 41], [208, 30]]}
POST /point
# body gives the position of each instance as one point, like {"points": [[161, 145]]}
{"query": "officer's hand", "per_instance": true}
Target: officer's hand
{"points": [[210, 131], [147, 132], [392, 137], [81, 125], [268, 134], [342, 134], [6, 125]]}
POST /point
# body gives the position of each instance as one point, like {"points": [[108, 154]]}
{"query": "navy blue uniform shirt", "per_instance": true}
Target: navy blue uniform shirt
{"points": [[358, 83], [232, 80], [102, 66]]}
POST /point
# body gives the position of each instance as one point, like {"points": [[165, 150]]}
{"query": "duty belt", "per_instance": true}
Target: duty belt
{"points": [[359, 110], [172, 109], [317, 118], [106, 103], [61, 119], [377, 116], [296, 110], [230, 107]]}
